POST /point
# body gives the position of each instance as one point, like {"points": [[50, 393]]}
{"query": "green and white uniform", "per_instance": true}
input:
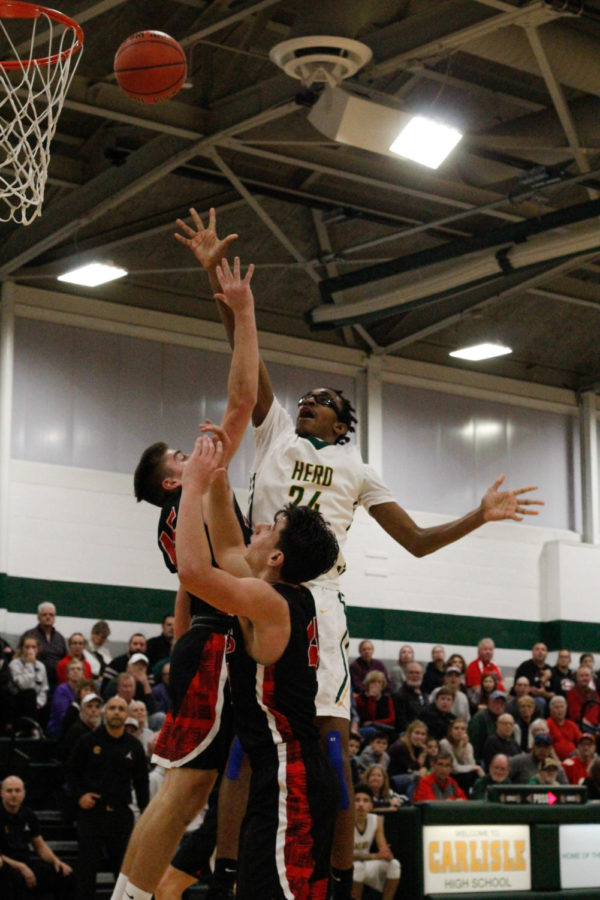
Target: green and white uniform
{"points": [[333, 479]]}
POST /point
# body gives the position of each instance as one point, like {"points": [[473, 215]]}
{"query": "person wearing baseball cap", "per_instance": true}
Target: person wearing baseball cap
{"points": [[577, 765], [460, 703], [483, 724], [525, 766]]}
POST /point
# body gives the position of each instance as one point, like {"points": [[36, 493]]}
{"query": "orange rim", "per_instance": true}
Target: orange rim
{"points": [[14, 9]]}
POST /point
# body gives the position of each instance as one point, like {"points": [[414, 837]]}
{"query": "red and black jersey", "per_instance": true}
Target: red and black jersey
{"points": [[276, 704], [167, 524]]}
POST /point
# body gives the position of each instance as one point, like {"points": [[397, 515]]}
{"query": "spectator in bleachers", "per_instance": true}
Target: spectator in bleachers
{"points": [[411, 700], [439, 785], [483, 665], [460, 704], [52, 644], [375, 708], [136, 644], [434, 673], [483, 723], [562, 679], [137, 709], [499, 771], [376, 752], [525, 765], [522, 688], [576, 766], [384, 798], [100, 773], [63, 696], [160, 691], [363, 665], [455, 659], [29, 676], [376, 868], [90, 716], [40, 872], [126, 686], [504, 742], [76, 646], [547, 773], [159, 647], [7, 691], [408, 754], [354, 750], [398, 672], [438, 715], [97, 653], [583, 701], [592, 781], [85, 686], [464, 768], [589, 660], [526, 713], [538, 672], [432, 746], [478, 696], [563, 731]]}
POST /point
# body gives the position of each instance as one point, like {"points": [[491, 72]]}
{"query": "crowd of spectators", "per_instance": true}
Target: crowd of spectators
{"points": [[449, 730], [71, 693]]}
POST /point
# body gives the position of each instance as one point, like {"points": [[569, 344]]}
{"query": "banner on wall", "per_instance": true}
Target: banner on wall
{"points": [[579, 850], [476, 858]]}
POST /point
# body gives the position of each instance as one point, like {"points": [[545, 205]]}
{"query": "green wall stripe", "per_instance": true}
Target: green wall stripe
{"points": [[150, 605]]}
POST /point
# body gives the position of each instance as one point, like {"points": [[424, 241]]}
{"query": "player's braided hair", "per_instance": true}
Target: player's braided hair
{"points": [[347, 415], [309, 546], [149, 473]]}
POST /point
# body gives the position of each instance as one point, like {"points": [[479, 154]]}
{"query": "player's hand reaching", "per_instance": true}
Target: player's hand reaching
{"points": [[208, 248], [204, 464], [219, 434], [497, 505], [237, 293]]}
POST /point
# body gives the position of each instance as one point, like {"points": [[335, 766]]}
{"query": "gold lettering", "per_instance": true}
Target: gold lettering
{"points": [[461, 864], [447, 864], [495, 856], [318, 474], [485, 847], [434, 865], [475, 862], [327, 477], [308, 471], [520, 864], [509, 863], [298, 468]]}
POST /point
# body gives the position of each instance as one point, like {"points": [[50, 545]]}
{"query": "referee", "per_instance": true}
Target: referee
{"points": [[100, 773]]}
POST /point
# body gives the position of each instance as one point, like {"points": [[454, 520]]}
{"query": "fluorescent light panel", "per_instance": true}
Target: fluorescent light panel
{"points": [[426, 141], [93, 274], [481, 351]]}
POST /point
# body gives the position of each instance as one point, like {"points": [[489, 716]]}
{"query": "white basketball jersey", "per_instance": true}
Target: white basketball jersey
{"points": [[362, 842]]}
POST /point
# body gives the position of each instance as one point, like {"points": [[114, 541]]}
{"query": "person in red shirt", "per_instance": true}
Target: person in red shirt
{"points": [[76, 648], [375, 708], [563, 731], [580, 695], [576, 766], [483, 664], [439, 785]]}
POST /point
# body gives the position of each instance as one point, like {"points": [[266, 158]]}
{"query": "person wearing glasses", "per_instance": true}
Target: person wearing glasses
{"points": [[76, 650], [311, 462]]}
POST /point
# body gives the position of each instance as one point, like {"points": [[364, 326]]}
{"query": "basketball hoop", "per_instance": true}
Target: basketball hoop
{"points": [[32, 92]]}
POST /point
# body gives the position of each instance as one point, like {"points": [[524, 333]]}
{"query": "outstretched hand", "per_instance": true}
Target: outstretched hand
{"points": [[208, 248], [498, 505], [237, 293], [204, 464], [219, 434]]}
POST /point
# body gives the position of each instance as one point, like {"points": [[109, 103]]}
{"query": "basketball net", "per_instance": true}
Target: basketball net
{"points": [[34, 79]]}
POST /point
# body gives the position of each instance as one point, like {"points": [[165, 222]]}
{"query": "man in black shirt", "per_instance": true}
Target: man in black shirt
{"points": [[411, 700], [159, 647], [562, 679], [100, 773], [538, 672], [19, 829]]}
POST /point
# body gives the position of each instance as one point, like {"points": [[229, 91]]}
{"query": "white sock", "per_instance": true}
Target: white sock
{"points": [[119, 888], [136, 893]]}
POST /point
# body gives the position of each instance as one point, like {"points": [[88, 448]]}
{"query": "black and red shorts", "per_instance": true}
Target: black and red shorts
{"points": [[285, 842], [197, 732]]}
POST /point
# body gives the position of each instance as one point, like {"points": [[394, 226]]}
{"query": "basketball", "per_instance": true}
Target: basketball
{"points": [[150, 66]]}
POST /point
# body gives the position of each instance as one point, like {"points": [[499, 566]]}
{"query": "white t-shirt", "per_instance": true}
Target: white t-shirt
{"points": [[362, 842], [306, 471]]}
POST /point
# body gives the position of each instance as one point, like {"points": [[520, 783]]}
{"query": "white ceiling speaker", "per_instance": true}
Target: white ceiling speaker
{"points": [[321, 58]]}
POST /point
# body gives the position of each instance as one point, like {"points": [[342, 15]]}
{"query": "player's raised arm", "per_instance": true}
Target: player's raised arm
{"points": [[495, 506], [209, 249]]}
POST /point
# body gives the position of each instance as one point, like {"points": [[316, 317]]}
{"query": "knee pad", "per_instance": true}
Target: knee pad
{"points": [[234, 764], [334, 752], [359, 871], [393, 869]]}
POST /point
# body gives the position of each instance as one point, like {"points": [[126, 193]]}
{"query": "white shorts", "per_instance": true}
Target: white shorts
{"points": [[375, 872], [333, 674]]}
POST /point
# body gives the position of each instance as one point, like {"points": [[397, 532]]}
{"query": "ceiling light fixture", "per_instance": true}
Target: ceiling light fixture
{"points": [[426, 141], [93, 274], [481, 351]]}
